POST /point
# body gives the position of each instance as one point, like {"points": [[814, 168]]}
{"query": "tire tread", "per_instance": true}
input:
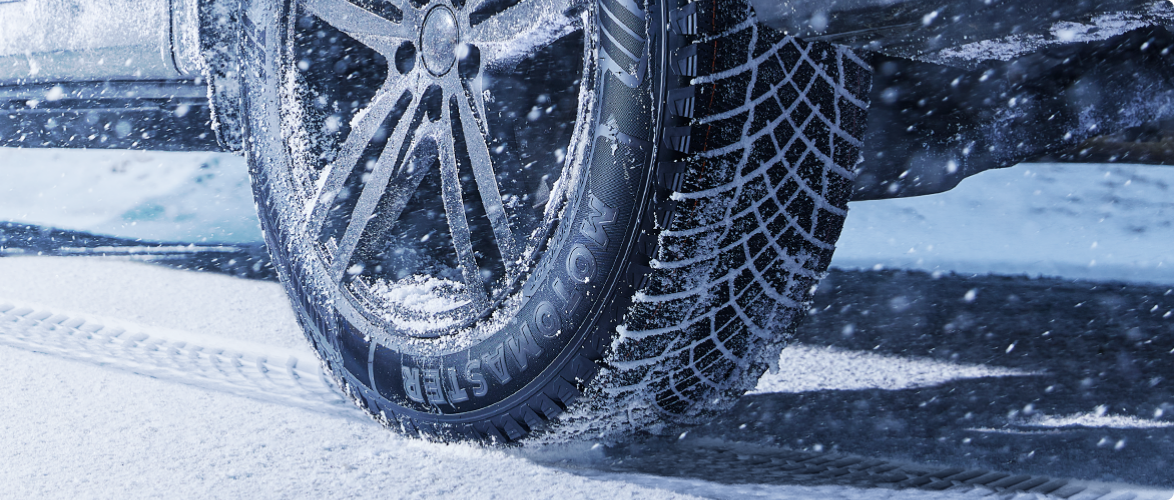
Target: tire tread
{"points": [[757, 211]]}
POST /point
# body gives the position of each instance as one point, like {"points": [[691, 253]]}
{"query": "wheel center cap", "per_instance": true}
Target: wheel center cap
{"points": [[438, 40]]}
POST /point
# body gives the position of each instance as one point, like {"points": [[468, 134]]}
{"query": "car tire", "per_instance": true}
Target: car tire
{"points": [[545, 219]]}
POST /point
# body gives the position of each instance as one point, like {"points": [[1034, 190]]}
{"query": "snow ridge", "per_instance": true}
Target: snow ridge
{"points": [[245, 369], [811, 369]]}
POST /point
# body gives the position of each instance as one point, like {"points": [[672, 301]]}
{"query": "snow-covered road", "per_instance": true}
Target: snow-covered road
{"points": [[123, 379], [140, 417]]}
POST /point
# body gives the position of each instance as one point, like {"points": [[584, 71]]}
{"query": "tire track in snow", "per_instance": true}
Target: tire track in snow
{"points": [[246, 369], [293, 378]]}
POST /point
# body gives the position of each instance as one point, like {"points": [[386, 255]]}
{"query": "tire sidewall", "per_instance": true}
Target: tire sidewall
{"points": [[566, 311]]}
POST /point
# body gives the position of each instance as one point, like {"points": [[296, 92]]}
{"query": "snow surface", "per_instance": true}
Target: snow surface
{"points": [[197, 303], [1097, 419], [424, 293], [810, 369], [192, 197], [1082, 221], [85, 430]]}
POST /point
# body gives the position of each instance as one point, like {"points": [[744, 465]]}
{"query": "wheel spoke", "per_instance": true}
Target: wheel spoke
{"points": [[427, 131], [476, 89], [485, 176], [454, 208], [522, 29], [388, 173], [380, 33], [366, 125], [475, 83]]}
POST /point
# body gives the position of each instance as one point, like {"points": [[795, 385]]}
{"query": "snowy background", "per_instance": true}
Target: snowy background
{"points": [[1081, 221], [153, 195], [79, 425]]}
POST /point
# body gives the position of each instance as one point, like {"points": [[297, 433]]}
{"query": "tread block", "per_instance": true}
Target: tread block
{"points": [[937, 485], [545, 406], [1068, 491], [1030, 483], [1007, 482], [637, 275], [688, 20], [427, 427], [510, 427], [965, 475], [684, 61], [663, 211], [681, 101], [580, 370], [563, 392], [529, 417], [491, 432], [915, 482], [678, 138], [670, 175], [469, 432], [407, 425]]}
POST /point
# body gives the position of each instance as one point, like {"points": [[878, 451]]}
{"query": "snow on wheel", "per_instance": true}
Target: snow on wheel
{"points": [[502, 219]]}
